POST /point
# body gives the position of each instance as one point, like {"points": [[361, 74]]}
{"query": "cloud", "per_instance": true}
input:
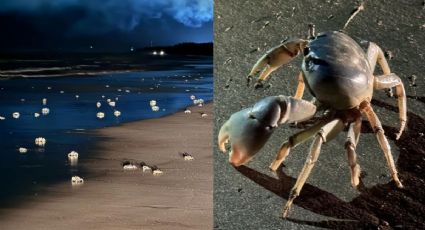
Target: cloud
{"points": [[110, 25], [191, 12], [123, 14]]}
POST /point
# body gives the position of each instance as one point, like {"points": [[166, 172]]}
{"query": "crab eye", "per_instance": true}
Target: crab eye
{"points": [[317, 61], [306, 51], [312, 61]]}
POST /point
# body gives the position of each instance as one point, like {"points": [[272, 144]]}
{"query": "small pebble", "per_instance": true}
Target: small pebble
{"points": [[413, 80], [228, 28], [266, 23], [293, 11], [389, 55], [255, 50]]}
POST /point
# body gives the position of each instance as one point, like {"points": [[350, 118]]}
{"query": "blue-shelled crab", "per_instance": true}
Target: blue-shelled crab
{"points": [[340, 75]]}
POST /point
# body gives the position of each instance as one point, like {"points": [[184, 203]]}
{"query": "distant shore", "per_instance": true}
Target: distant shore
{"points": [[115, 199], [86, 64]]}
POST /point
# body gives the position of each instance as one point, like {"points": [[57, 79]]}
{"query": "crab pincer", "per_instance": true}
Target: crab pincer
{"points": [[249, 129]]}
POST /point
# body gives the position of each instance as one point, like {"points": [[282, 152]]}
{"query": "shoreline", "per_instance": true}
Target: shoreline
{"points": [[115, 199], [70, 74], [94, 66]]}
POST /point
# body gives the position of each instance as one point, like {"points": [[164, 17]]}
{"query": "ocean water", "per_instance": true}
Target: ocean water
{"points": [[65, 127]]}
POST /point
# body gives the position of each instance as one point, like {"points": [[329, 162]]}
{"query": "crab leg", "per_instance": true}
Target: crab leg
{"points": [[264, 74], [295, 140], [392, 80], [326, 133], [301, 86], [275, 58], [350, 146], [375, 55], [383, 142]]}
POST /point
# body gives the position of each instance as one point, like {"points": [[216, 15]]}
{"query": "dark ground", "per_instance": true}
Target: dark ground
{"points": [[252, 197]]}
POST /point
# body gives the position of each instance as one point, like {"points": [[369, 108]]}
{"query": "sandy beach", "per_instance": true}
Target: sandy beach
{"points": [[112, 198]]}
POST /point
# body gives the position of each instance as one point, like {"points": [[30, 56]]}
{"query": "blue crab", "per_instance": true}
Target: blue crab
{"points": [[340, 75]]}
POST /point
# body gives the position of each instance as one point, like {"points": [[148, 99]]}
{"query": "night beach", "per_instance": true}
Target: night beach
{"points": [[42, 175]]}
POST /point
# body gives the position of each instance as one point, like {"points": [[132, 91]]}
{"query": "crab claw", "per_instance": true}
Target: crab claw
{"points": [[249, 129]]}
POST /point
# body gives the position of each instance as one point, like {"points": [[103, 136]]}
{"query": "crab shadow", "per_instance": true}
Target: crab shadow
{"points": [[381, 206]]}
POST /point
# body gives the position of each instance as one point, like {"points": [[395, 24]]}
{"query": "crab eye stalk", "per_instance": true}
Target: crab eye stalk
{"points": [[311, 31]]}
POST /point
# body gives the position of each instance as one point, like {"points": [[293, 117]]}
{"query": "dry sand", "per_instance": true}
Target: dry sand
{"points": [[115, 199]]}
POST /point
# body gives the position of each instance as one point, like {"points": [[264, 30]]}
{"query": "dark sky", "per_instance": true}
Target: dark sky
{"points": [[107, 25]]}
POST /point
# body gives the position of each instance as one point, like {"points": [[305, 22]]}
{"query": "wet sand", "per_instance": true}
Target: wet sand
{"points": [[112, 198]]}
